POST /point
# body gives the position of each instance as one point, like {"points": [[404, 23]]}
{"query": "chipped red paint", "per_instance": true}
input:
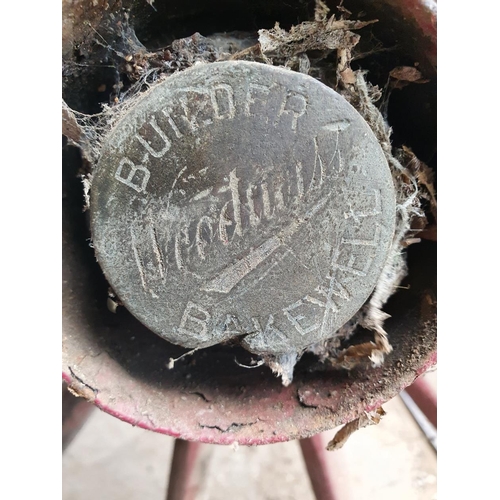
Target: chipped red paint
{"points": [[281, 416], [432, 361]]}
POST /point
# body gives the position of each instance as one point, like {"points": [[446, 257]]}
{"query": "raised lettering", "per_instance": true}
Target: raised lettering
{"points": [[293, 104], [356, 215], [222, 97], [310, 304], [269, 329], [232, 326], [147, 144], [255, 89], [137, 177], [194, 321], [172, 124]]}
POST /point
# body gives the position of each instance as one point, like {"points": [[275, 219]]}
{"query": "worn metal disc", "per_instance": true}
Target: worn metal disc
{"points": [[238, 199]]}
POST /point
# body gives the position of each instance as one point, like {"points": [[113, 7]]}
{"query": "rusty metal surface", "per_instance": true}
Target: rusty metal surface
{"points": [[210, 399], [115, 362]]}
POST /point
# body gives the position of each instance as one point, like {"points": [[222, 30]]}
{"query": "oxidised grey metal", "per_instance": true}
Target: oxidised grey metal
{"points": [[241, 199]]}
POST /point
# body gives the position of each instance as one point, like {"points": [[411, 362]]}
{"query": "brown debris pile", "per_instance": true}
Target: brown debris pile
{"points": [[324, 34]]}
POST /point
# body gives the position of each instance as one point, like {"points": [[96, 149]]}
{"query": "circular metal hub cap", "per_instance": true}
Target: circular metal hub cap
{"points": [[237, 199]]}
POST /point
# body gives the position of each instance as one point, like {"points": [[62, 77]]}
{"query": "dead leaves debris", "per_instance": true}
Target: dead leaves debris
{"points": [[324, 34], [308, 36], [401, 76]]}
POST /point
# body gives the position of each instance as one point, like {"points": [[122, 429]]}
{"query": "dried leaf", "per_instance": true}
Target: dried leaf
{"points": [[252, 53], [424, 176], [429, 233], [368, 418], [72, 391], [406, 73], [321, 11], [354, 355], [355, 352], [345, 24]]}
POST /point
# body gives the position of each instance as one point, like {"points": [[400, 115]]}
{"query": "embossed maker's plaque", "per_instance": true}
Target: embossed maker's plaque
{"points": [[240, 199]]}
